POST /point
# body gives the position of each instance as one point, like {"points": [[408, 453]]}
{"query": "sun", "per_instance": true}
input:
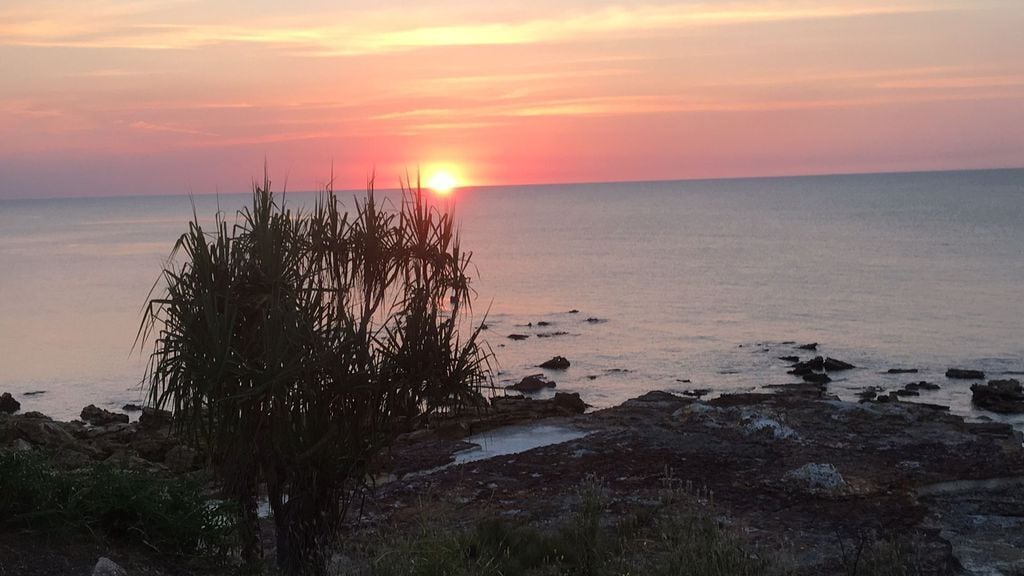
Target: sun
{"points": [[442, 182]]}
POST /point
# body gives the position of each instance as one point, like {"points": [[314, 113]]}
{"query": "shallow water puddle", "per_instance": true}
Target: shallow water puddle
{"points": [[515, 439]]}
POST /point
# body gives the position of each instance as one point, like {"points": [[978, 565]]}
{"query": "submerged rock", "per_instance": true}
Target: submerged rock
{"points": [[8, 405], [131, 408], [901, 371], [533, 383], [792, 359], [100, 417], [556, 363], [922, 385], [811, 346], [961, 374], [1002, 396], [518, 336]]}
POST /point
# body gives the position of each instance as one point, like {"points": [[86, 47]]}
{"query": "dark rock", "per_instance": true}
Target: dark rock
{"points": [[683, 380], [8, 405], [800, 371], [791, 359], [868, 393], [905, 392], [922, 385], [33, 415], [697, 392], [591, 377], [153, 448], [617, 370], [574, 311], [551, 334], [1002, 396], [996, 429], [556, 363], [901, 371], [833, 365], [543, 323], [34, 393], [153, 418], [485, 327], [180, 458], [595, 320], [100, 417], [816, 378], [131, 408], [570, 401], [658, 396], [960, 374], [816, 363], [533, 383], [811, 346], [518, 336]]}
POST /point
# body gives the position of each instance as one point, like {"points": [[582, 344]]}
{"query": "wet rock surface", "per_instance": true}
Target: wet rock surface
{"points": [[801, 471]]}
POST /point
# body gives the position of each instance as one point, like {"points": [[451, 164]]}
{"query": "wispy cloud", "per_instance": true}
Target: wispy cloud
{"points": [[78, 28], [155, 127]]}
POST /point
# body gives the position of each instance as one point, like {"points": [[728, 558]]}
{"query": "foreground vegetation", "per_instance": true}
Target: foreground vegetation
{"points": [[296, 345], [172, 517], [676, 536]]}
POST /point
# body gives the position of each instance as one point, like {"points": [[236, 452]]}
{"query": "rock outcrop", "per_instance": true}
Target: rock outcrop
{"points": [[100, 417], [961, 374], [8, 405], [533, 383], [556, 363], [1002, 396]]}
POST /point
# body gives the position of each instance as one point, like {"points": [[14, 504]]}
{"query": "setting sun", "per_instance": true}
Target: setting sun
{"points": [[442, 182]]}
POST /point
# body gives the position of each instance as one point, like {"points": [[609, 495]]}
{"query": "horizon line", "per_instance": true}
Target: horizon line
{"points": [[545, 184]]}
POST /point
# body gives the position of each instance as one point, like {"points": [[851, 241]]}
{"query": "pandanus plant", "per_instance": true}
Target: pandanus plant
{"points": [[294, 346]]}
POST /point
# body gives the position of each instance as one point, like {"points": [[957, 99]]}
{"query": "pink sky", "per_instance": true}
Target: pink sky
{"points": [[101, 97]]}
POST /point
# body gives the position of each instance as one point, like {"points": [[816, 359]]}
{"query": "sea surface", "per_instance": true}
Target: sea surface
{"points": [[678, 285]]}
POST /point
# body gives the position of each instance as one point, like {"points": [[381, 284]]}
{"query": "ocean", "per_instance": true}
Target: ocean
{"points": [[678, 285]]}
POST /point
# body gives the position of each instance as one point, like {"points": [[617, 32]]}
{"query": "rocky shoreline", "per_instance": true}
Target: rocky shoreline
{"points": [[796, 470]]}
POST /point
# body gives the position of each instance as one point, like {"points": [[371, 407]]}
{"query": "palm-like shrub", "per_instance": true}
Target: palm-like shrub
{"points": [[295, 345]]}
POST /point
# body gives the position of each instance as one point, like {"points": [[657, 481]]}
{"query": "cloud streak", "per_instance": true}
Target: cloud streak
{"points": [[82, 30]]}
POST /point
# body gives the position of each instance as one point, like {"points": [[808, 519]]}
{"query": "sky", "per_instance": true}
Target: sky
{"points": [[104, 97]]}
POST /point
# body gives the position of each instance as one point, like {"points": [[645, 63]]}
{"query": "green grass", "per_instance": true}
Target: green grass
{"points": [[171, 517]]}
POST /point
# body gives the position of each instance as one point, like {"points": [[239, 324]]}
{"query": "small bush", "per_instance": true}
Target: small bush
{"points": [[171, 516]]}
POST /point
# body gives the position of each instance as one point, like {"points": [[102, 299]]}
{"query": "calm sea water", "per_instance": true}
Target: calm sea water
{"points": [[693, 280]]}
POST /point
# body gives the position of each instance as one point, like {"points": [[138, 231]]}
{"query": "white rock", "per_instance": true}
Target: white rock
{"points": [[778, 429], [817, 477]]}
